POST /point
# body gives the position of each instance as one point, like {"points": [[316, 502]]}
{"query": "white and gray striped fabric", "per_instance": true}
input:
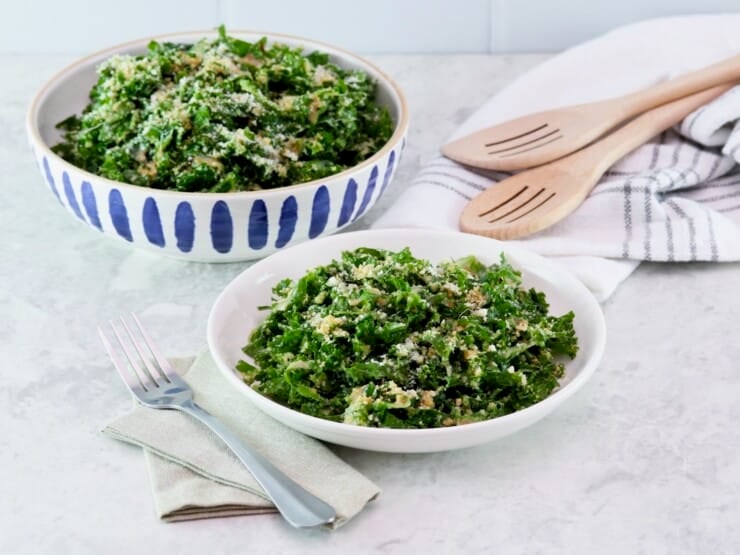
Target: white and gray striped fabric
{"points": [[674, 199]]}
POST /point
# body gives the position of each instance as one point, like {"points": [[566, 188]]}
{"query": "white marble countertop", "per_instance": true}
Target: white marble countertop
{"points": [[644, 459]]}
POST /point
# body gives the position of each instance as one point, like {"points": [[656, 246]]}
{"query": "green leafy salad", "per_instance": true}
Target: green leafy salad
{"points": [[384, 339], [224, 115]]}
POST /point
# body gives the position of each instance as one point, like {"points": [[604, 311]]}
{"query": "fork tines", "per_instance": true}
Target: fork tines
{"points": [[142, 365]]}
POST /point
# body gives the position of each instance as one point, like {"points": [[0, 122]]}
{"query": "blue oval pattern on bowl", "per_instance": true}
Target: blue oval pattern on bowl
{"points": [[152, 222], [367, 197], [181, 225], [348, 203], [222, 227], [90, 204], [319, 212], [257, 227], [50, 179], [288, 219], [71, 198], [388, 172], [184, 226], [119, 214]]}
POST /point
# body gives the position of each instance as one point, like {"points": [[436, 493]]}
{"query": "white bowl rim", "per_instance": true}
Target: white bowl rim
{"points": [[399, 130], [339, 428]]}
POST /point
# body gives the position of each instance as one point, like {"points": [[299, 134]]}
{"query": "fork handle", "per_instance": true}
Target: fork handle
{"points": [[299, 507]]}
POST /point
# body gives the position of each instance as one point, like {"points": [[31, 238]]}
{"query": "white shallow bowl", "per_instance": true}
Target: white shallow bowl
{"points": [[210, 227], [234, 315]]}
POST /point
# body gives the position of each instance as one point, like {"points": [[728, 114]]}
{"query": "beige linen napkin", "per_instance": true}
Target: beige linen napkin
{"points": [[194, 475]]}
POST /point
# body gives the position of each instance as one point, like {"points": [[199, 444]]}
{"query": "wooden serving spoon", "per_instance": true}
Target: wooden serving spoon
{"points": [[535, 199], [545, 136]]}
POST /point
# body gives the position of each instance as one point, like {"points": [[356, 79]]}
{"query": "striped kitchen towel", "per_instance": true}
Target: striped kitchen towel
{"points": [[674, 199]]}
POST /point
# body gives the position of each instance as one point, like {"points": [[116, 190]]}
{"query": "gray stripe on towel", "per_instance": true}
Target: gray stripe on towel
{"points": [[710, 222], [692, 227], [456, 178], [627, 218], [719, 197], [712, 238], [729, 208], [444, 163], [717, 161], [670, 247], [648, 195], [620, 188], [648, 220], [723, 182], [656, 150], [694, 164], [677, 154], [444, 186]]}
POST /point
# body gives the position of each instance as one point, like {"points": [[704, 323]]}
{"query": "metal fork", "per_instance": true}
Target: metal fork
{"points": [[154, 384]]}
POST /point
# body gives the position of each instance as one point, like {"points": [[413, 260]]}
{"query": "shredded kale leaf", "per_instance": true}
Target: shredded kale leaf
{"points": [[384, 339], [224, 115]]}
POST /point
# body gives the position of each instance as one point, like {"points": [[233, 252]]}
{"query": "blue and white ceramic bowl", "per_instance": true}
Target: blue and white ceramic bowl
{"points": [[209, 227]]}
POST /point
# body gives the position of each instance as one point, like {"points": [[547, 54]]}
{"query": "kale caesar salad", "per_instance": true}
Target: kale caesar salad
{"points": [[384, 339], [224, 115]]}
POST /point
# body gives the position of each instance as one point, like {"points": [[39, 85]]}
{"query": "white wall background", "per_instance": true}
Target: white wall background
{"points": [[364, 26]]}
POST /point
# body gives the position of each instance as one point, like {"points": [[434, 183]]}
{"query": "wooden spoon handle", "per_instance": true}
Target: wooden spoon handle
{"points": [[637, 132], [725, 71]]}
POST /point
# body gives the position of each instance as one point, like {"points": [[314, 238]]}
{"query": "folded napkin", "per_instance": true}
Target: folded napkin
{"points": [[194, 475], [676, 198]]}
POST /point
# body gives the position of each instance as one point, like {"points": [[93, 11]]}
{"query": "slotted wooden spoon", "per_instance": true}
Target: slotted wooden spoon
{"points": [[545, 136], [535, 199]]}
